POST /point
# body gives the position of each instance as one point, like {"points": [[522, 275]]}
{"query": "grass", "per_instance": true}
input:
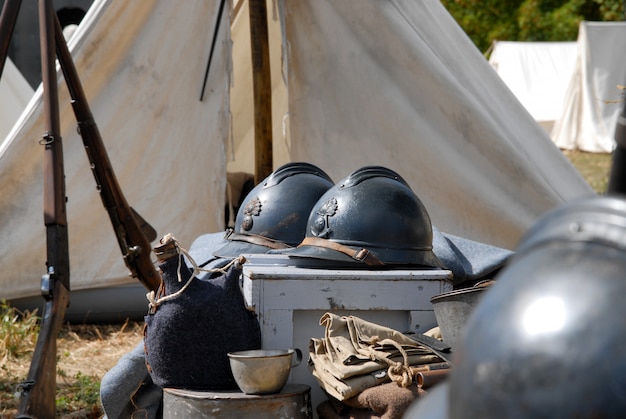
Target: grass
{"points": [[18, 332], [80, 392], [594, 167]]}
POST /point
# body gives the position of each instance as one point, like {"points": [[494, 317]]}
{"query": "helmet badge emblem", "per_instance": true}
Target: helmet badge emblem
{"points": [[252, 208], [321, 227]]}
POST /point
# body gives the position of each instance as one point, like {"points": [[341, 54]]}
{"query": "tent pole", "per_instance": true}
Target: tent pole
{"points": [[617, 175], [216, 31], [262, 89]]}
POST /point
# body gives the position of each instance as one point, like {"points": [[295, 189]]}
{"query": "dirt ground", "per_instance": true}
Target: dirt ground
{"points": [[90, 350]]}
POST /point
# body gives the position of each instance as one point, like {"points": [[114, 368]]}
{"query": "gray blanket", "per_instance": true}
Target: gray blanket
{"points": [[468, 260]]}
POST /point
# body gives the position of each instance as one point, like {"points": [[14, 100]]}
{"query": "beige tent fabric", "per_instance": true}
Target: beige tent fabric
{"points": [[241, 145], [399, 84], [141, 64], [15, 92]]}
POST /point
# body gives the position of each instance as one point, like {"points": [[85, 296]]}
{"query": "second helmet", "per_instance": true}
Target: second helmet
{"points": [[373, 218]]}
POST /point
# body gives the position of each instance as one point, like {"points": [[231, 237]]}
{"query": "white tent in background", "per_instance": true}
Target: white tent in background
{"points": [[595, 94], [15, 92], [537, 73], [364, 82]]}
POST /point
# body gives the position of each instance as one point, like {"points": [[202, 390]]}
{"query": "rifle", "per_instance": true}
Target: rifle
{"points": [[133, 233], [38, 392]]}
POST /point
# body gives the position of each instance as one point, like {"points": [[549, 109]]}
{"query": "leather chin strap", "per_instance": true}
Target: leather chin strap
{"points": [[361, 255], [261, 241]]}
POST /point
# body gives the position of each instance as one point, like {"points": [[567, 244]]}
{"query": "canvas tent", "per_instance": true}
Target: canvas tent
{"points": [[417, 97], [594, 97], [166, 146], [430, 101], [537, 73]]}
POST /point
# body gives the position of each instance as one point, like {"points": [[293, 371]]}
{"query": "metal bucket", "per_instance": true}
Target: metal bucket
{"points": [[293, 402], [452, 309]]}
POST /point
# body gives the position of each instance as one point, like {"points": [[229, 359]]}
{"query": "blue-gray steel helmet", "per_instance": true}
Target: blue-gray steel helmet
{"points": [[274, 214], [548, 339], [370, 218]]}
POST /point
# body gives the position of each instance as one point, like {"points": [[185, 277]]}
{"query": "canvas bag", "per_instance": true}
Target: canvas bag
{"points": [[356, 354], [193, 324]]}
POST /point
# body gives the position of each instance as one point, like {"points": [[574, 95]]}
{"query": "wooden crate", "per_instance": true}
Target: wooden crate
{"points": [[290, 300]]}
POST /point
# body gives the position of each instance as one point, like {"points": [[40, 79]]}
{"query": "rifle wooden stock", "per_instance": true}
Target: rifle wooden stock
{"points": [[132, 232], [38, 392]]}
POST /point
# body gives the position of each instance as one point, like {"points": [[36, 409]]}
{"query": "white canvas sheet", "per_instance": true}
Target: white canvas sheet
{"points": [[399, 84], [141, 64], [537, 73], [594, 99], [15, 92]]}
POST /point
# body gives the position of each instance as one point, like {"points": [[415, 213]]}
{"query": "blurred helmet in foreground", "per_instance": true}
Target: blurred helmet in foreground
{"points": [[548, 339]]}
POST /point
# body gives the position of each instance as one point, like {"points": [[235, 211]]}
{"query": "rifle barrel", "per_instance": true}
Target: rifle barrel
{"points": [[131, 237]]}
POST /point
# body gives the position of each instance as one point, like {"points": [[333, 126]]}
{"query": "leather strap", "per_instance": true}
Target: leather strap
{"points": [[441, 349], [360, 255], [262, 241]]}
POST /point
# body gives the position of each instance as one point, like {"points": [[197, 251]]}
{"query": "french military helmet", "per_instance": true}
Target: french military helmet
{"points": [[370, 218], [274, 214]]}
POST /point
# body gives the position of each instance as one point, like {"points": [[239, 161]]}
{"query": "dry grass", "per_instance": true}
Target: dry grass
{"points": [[84, 353], [101, 345]]}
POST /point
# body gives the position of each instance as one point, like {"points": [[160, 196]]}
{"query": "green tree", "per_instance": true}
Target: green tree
{"points": [[486, 21]]}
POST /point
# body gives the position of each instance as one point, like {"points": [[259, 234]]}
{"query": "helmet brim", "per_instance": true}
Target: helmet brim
{"points": [[234, 248], [322, 253], [422, 259], [202, 248]]}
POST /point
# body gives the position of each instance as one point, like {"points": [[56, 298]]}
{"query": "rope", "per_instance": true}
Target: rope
{"points": [[400, 373], [155, 301]]}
